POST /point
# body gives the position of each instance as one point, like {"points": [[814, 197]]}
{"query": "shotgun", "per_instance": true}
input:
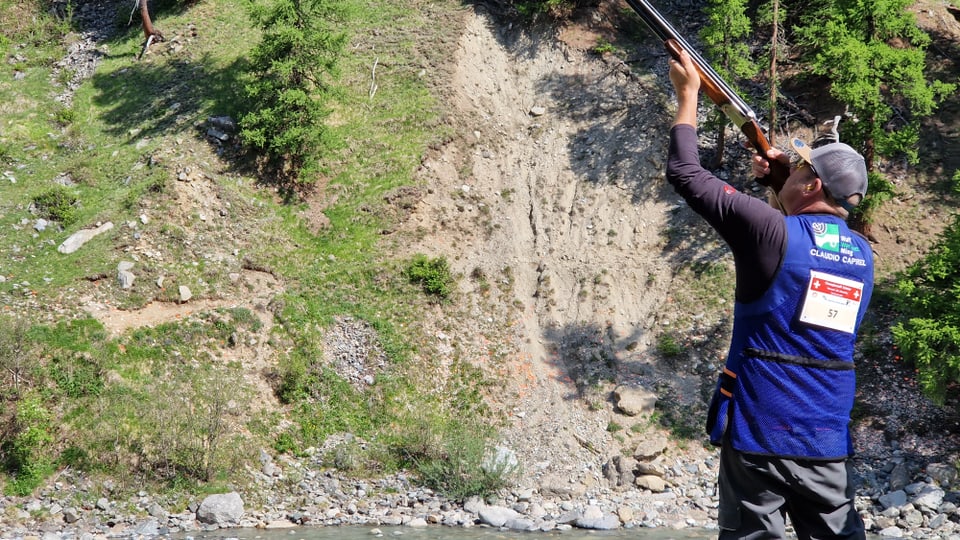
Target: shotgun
{"points": [[732, 105]]}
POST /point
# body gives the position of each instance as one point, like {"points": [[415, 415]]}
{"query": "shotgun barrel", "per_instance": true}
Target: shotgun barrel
{"points": [[712, 84]]}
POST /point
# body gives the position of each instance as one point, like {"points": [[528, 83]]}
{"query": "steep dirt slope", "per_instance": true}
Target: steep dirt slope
{"points": [[553, 208], [575, 257]]}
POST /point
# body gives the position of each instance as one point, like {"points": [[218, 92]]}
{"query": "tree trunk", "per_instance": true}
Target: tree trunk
{"points": [[150, 34], [772, 132], [721, 142], [148, 30]]}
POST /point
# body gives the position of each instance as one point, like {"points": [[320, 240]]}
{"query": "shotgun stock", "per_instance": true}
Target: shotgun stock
{"points": [[713, 85]]}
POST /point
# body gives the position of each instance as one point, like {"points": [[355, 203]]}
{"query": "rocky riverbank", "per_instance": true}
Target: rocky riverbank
{"points": [[290, 492]]}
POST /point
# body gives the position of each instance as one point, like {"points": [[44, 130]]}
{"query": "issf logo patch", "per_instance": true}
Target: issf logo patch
{"points": [[827, 236]]}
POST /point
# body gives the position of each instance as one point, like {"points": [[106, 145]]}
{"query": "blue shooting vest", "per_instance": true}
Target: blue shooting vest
{"points": [[788, 385]]}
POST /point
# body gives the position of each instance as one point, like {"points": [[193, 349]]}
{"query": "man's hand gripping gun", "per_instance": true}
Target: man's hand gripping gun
{"points": [[716, 89]]}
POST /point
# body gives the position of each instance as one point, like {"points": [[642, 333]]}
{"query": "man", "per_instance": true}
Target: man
{"points": [[781, 409]]}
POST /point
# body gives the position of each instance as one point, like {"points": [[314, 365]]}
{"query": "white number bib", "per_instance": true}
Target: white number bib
{"points": [[832, 302]]}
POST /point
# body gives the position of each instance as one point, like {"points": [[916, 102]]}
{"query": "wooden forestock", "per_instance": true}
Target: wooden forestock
{"points": [[716, 89]]}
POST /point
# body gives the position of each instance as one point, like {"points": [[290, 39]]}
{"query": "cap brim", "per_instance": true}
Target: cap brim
{"points": [[801, 148]]}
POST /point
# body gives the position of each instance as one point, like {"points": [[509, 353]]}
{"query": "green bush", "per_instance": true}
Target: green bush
{"points": [[928, 301], [554, 8], [668, 346], [77, 375], [57, 204], [881, 191], [431, 274], [16, 354], [453, 457], [26, 453]]}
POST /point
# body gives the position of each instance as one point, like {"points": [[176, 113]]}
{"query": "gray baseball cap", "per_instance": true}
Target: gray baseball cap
{"points": [[841, 169]]}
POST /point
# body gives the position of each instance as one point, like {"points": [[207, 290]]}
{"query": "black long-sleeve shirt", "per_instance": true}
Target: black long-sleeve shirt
{"points": [[755, 231]]}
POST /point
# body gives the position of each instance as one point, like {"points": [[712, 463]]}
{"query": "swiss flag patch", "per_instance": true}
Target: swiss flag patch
{"points": [[728, 189]]}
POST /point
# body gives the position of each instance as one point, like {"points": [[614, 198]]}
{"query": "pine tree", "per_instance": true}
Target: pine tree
{"points": [[727, 25], [291, 82], [872, 52]]}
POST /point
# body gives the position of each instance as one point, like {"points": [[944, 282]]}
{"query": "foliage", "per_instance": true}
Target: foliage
{"points": [[291, 81], [26, 455], [30, 22], [879, 191], [77, 375], [602, 47], [333, 406], [873, 55], [186, 433], [455, 457], [727, 25], [554, 8], [431, 274], [928, 300], [57, 204], [668, 346], [16, 351]]}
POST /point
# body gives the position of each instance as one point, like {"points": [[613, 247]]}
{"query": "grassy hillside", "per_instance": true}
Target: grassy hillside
{"points": [[174, 402]]}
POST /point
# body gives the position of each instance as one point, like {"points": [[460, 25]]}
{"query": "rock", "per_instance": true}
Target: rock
{"points": [[497, 516], [570, 516], [218, 134], [501, 461], [899, 476], [619, 471], [520, 524], [892, 532], [651, 482], [943, 474], [76, 240], [473, 505], [226, 123], [634, 401], [594, 518], [894, 499], [157, 511], [71, 515], [929, 497], [650, 447], [913, 519], [147, 528], [562, 488], [224, 509], [185, 293]]}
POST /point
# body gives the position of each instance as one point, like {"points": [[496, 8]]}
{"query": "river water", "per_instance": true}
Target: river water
{"points": [[444, 533]]}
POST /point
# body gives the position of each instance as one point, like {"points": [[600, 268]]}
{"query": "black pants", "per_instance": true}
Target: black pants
{"points": [[758, 492]]}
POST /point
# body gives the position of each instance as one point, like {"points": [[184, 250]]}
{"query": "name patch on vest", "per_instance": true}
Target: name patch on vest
{"points": [[832, 302]]}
